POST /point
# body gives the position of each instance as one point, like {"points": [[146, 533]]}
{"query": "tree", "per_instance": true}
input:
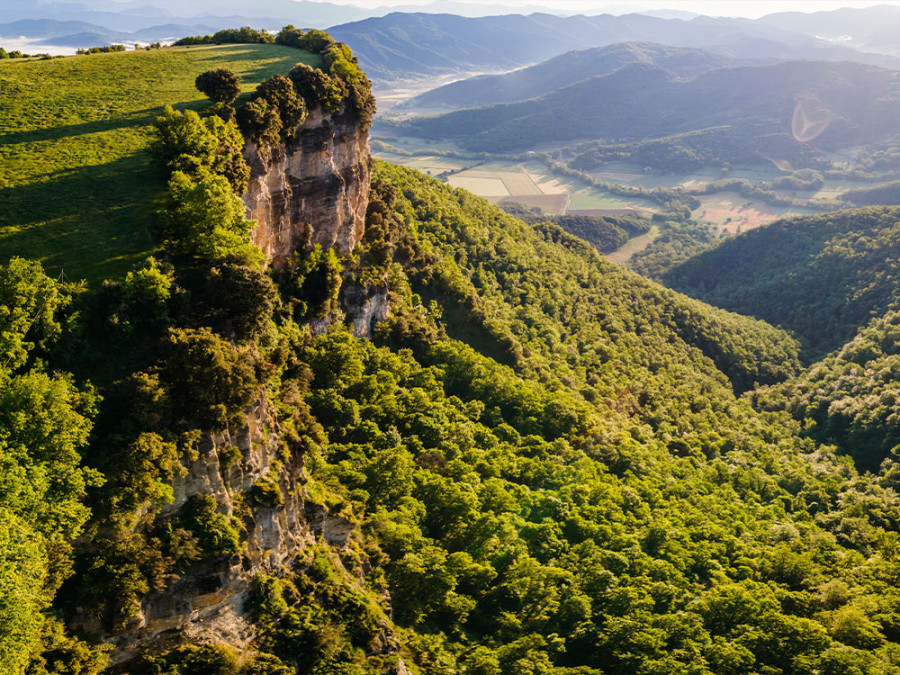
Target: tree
{"points": [[28, 303], [22, 576], [209, 381], [315, 41], [206, 219], [220, 85], [279, 93], [186, 142], [318, 88], [260, 122], [289, 36]]}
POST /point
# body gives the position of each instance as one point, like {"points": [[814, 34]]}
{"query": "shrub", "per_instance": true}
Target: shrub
{"points": [[216, 532], [220, 85]]}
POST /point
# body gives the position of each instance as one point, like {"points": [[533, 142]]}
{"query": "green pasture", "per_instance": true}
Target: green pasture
{"points": [[77, 188]]}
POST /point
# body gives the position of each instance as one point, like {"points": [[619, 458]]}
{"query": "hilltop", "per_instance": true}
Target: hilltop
{"points": [[77, 187]]}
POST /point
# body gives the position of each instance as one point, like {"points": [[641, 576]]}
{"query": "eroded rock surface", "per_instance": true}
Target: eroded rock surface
{"points": [[312, 191]]}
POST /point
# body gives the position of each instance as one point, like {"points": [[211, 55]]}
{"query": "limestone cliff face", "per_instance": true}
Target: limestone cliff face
{"points": [[207, 602], [312, 191]]}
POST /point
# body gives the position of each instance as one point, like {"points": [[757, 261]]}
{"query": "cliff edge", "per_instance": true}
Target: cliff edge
{"points": [[313, 190]]}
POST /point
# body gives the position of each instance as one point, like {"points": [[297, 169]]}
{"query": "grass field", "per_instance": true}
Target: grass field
{"points": [[77, 188], [634, 245]]}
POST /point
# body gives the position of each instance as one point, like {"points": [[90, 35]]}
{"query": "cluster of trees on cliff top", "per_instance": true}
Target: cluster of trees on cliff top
{"points": [[545, 460]]}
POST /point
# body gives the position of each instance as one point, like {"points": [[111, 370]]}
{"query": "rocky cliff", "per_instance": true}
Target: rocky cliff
{"points": [[208, 602], [311, 191], [314, 190]]}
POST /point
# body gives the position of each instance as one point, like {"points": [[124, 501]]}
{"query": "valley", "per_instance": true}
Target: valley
{"points": [[732, 176]]}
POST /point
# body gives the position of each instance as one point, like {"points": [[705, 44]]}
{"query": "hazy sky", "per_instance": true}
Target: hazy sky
{"points": [[747, 8]]}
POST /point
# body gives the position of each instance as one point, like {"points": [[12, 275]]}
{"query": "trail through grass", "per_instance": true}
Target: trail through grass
{"points": [[77, 188]]}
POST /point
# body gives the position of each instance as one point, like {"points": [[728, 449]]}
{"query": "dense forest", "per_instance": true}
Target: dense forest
{"points": [[822, 277], [543, 463]]}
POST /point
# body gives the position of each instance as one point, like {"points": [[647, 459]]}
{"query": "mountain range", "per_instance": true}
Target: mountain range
{"points": [[414, 42], [415, 45], [567, 69], [642, 100]]}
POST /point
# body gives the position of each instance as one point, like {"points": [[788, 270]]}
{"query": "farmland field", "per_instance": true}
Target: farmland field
{"points": [[481, 185], [731, 212], [68, 127], [500, 183]]}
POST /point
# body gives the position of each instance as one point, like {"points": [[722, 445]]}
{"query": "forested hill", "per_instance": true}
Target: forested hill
{"points": [[759, 102], [822, 277], [567, 69]]}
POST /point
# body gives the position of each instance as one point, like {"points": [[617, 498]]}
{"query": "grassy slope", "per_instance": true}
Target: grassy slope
{"points": [[77, 188]]}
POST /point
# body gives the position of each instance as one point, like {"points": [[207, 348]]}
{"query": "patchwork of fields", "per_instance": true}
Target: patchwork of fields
{"points": [[499, 186]]}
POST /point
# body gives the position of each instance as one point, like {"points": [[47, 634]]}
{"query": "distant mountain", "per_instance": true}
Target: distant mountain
{"points": [[143, 14], [567, 69], [404, 45], [83, 40], [871, 29], [853, 103], [420, 43], [49, 28]]}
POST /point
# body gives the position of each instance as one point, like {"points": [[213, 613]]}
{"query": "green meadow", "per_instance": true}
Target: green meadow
{"points": [[78, 190]]}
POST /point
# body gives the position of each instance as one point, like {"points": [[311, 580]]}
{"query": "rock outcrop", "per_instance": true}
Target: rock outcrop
{"points": [[311, 191], [207, 602]]}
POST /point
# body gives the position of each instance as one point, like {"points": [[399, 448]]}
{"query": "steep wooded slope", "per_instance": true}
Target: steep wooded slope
{"points": [[823, 277]]}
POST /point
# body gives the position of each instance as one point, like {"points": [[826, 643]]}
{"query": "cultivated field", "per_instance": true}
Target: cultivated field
{"points": [[78, 128], [731, 212], [498, 183]]}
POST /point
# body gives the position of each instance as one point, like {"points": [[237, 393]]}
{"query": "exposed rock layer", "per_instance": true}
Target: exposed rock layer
{"points": [[311, 191]]}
